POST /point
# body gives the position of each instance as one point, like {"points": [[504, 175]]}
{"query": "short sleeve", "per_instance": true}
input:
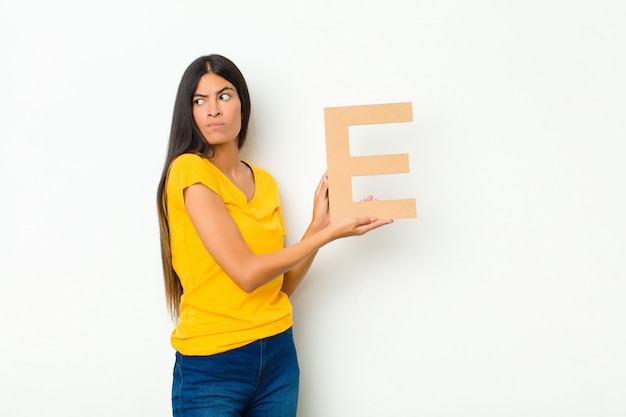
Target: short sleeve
{"points": [[186, 170]]}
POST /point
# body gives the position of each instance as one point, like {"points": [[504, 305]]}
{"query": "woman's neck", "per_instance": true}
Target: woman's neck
{"points": [[227, 159]]}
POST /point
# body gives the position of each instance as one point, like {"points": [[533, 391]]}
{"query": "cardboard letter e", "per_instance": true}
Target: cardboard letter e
{"points": [[342, 167]]}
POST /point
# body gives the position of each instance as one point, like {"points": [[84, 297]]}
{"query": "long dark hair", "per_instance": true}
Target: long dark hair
{"points": [[185, 137]]}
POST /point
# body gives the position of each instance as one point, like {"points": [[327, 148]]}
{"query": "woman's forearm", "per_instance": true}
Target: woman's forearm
{"points": [[295, 275]]}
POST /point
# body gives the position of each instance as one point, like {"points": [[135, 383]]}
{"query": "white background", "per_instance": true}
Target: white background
{"points": [[505, 297]]}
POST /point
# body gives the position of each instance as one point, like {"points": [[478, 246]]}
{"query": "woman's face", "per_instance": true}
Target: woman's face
{"points": [[217, 110]]}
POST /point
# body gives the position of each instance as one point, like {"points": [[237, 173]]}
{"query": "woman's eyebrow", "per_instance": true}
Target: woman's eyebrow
{"points": [[220, 91], [225, 88]]}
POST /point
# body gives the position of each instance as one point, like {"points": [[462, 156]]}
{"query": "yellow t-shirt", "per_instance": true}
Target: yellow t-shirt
{"points": [[215, 314]]}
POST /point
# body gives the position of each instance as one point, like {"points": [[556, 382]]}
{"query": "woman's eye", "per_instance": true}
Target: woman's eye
{"points": [[225, 97], [198, 101]]}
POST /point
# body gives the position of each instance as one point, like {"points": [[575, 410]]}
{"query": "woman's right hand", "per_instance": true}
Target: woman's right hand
{"points": [[340, 228], [355, 226]]}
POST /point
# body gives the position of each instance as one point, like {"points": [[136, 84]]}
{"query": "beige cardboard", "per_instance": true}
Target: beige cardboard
{"points": [[342, 167]]}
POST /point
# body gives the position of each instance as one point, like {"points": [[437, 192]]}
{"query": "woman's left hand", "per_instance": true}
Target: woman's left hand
{"points": [[321, 213]]}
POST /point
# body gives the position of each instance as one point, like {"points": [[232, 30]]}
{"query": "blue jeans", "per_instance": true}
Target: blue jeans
{"points": [[257, 380]]}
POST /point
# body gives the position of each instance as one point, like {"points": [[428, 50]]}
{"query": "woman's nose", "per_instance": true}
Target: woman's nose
{"points": [[214, 110]]}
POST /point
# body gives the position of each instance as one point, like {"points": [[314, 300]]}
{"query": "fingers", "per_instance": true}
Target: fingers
{"points": [[369, 198], [366, 224], [368, 221], [322, 186], [321, 215]]}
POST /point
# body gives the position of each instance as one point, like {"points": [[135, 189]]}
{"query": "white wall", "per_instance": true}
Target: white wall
{"points": [[505, 297]]}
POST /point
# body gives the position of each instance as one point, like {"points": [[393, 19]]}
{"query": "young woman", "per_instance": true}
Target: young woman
{"points": [[228, 275]]}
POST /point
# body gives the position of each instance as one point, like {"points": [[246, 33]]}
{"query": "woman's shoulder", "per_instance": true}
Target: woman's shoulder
{"points": [[189, 159], [189, 168]]}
